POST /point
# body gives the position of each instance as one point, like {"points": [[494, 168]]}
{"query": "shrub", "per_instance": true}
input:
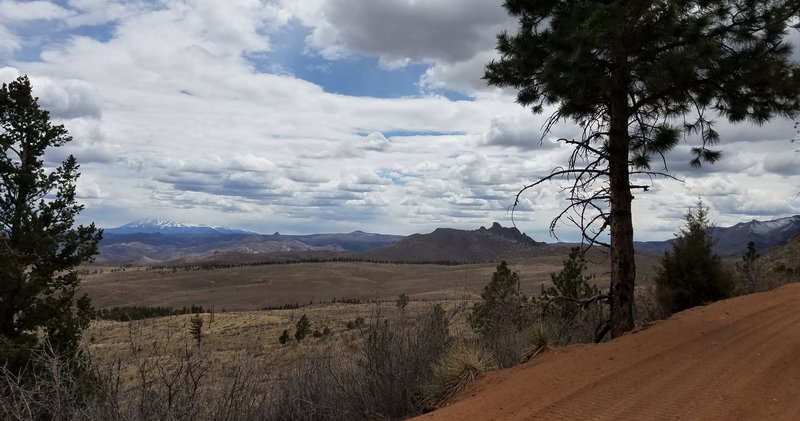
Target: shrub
{"points": [[397, 361], [355, 323], [455, 371], [384, 380], [402, 301], [647, 307], [691, 273], [285, 337]]}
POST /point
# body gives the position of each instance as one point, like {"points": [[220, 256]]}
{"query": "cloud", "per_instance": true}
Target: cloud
{"points": [[398, 30], [376, 142], [31, 10], [786, 164], [519, 131], [9, 42], [67, 98], [465, 76]]}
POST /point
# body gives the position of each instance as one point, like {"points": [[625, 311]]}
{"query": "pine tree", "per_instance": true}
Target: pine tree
{"points": [[639, 76], [39, 245], [750, 270], [571, 285], [501, 302], [196, 327], [691, 273], [303, 328]]}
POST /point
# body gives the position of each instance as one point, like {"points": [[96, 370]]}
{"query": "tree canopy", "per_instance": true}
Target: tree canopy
{"points": [[39, 245], [639, 76]]}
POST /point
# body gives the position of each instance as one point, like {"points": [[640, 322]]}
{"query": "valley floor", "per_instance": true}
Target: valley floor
{"points": [[732, 360]]}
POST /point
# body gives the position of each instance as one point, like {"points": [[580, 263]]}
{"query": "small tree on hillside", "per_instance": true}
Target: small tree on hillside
{"points": [[691, 273], [571, 287], [302, 328], [39, 245], [501, 302], [573, 303], [749, 270], [500, 315], [196, 327]]}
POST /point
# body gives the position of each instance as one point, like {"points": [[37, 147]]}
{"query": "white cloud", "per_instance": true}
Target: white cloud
{"points": [[9, 42], [31, 10], [67, 99]]}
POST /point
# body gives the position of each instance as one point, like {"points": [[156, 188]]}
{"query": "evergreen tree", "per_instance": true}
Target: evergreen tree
{"points": [[501, 302], [570, 285], [196, 327], [302, 329], [628, 72], [691, 273], [39, 245], [749, 270]]}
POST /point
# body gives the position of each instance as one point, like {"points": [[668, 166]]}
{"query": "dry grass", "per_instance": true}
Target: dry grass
{"points": [[252, 335], [256, 287]]}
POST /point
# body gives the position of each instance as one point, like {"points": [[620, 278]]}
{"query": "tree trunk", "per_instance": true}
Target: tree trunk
{"points": [[623, 265]]}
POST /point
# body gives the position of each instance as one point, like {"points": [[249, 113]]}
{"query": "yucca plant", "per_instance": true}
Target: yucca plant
{"points": [[455, 372], [538, 338]]}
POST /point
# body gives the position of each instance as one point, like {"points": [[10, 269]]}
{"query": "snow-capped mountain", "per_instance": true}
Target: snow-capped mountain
{"points": [[780, 226], [155, 240], [764, 234], [153, 226], [733, 240]]}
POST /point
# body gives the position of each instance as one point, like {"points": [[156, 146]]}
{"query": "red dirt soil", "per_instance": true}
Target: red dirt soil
{"points": [[737, 359]]}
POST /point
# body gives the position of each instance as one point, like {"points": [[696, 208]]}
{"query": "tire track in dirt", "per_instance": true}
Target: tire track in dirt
{"points": [[735, 359]]}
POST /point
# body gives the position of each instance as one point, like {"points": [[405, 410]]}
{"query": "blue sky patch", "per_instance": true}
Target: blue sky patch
{"points": [[355, 75]]}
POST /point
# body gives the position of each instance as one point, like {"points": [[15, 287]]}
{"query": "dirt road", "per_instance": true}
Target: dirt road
{"points": [[737, 359]]}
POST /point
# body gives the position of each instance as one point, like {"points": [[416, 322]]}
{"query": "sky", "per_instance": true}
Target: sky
{"points": [[308, 116]]}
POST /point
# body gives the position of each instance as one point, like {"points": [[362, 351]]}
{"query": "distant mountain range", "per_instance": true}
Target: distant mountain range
{"points": [[734, 239], [156, 241], [153, 226], [453, 245]]}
